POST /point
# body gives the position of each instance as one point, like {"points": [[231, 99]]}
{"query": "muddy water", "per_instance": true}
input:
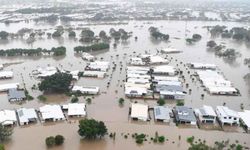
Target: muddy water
{"points": [[105, 106]]}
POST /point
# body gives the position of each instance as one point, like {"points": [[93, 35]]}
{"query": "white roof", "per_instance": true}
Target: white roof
{"points": [[245, 116], [164, 69], [176, 83], [132, 68], [139, 111], [86, 88], [51, 112], [170, 50], [163, 78], [138, 76], [137, 81], [6, 74], [25, 114], [76, 109], [225, 111], [5, 87], [135, 90], [146, 85], [214, 89], [98, 73], [7, 117], [1, 66], [87, 56], [45, 72], [172, 93], [202, 65], [206, 110], [142, 72], [158, 59]]}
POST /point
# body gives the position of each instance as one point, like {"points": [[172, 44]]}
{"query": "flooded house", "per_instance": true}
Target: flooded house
{"points": [[202, 66], [16, 95], [136, 61], [215, 83], [138, 76], [227, 116], [93, 90], [51, 113], [170, 50], [135, 68], [6, 87], [137, 91], [45, 72], [162, 113], [175, 95], [8, 117], [138, 81], [88, 57], [75, 74], [98, 66], [26, 115], [157, 79], [164, 70], [245, 119], [76, 109], [184, 115], [154, 59], [94, 74], [205, 114], [139, 112], [6, 74]]}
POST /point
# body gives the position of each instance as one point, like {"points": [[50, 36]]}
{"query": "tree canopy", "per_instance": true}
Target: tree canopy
{"points": [[58, 82], [5, 133], [4, 35], [91, 129]]}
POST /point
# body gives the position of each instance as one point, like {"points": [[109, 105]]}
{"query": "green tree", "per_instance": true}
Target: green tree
{"points": [[58, 83], [121, 101], [50, 141], [180, 103], [5, 133], [2, 147], [74, 99], [211, 44], [59, 139], [161, 102], [72, 34], [161, 139], [4, 35], [91, 129]]}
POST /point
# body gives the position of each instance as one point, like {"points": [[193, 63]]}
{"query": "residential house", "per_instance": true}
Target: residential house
{"points": [[184, 115], [139, 112], [162, 113], [16, 95], [26, 115], [227, 116], [206, 114]]}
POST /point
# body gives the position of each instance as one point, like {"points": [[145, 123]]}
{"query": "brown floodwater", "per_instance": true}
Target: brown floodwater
{"points": [[105, 106]]}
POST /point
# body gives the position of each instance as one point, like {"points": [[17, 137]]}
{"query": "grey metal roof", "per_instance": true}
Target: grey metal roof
{"points": [[183, 113], [161, 112], [16, 94], [168, 88]]}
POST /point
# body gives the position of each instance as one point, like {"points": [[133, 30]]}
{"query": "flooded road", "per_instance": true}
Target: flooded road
{"points": [[105, 106]]}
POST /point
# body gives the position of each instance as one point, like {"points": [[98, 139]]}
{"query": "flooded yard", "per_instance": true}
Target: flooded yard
{"points": [[105, 107]]}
